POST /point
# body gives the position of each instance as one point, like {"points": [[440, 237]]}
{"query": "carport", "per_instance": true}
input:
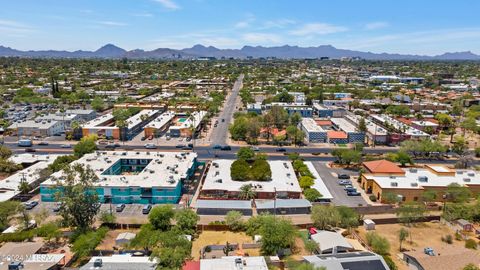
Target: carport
{"points": [[284, 206], [221, 207]]}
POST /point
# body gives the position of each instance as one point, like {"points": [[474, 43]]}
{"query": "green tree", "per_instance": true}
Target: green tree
{"points": [[349, 218], [78, 204], [325, 216], [276, 234], [311, 194], [458, 193], [85, 243], [379, 244], [186, 221], [172, 250], [8, 209], [98, 104], [5, 152], [247, 192], [403, 158], [234, 221], [161, 217], [245, 153], [410, 212], [459, 145], [238, 130], [295, 119], [239, 170], [362, 126], [306, 182], [107, 217], [390, 198], [402, 236], [429, 196], [85, 146], [146, 238]]}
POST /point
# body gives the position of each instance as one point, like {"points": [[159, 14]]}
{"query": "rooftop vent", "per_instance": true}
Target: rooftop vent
{"points": [[471, 174], [97, 263], [413, 170], [218, 181], [394, 184], [423, 179], [466, 179], [414, 184]]}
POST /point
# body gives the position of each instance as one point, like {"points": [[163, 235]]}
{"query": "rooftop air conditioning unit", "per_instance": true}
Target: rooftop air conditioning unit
{"points": [[423, 179], [471, 174], [459, 172], [394, 184], [413, 170], [466, 179], [414, 184]]}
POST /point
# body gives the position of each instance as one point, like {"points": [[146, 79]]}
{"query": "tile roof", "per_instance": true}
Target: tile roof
{"points": [[382, 166], [332, 134]]}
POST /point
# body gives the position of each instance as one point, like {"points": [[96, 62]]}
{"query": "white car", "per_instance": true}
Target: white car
{"points": [[150, 146]]}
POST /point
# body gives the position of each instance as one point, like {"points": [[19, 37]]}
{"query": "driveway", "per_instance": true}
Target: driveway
{"points": [[329, 177]]}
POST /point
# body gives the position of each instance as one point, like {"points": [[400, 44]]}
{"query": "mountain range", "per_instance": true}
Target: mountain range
{"points": [[111, 51]]}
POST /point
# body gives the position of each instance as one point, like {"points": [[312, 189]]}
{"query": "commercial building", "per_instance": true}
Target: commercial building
{"points": [[222, 207], [39, 128], [219, 184], [353, 134], [291, 108], [313, 132], [186, 126], [324, 111], [284, 206], [133, 177], [375, 134], [105, 125], [159, 125], [399, 131], [383, 176]]}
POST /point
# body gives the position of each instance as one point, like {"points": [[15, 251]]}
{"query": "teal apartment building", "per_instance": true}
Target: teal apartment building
{"points": [[133, 177]]}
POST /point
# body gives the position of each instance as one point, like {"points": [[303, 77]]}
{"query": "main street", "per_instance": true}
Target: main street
{"points": [[219, 133]]}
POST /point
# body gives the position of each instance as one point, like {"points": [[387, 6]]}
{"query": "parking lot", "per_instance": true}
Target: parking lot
{"points": [[329, 177]]}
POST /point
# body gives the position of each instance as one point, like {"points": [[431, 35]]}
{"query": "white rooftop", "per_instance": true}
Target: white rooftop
{"points": [[32, 158], [425, 123], [163, 169], [311, 126], [228, 263], [406, 129], [137, 118], [99, 121], [161, 120], [419, 178], [344, 125], [9, 186], [46, 124], [193, 121], [318, 184], [283, 178]]}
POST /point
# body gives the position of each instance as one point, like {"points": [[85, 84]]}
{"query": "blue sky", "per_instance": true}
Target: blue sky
{"points": [[402, 26]]}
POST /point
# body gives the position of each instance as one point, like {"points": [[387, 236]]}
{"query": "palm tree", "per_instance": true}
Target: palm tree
{"points": [[247, 192]]}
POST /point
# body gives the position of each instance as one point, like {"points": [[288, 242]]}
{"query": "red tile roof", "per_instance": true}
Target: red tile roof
{"points": [[383, 166], [324, 122], [332, 134], [191, 265]]}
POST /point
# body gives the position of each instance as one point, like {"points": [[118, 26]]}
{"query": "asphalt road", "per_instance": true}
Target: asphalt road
{"points": [[340, 196], [219, 133]]}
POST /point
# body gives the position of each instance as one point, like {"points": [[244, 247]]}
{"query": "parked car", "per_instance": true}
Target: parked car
{"points": [[350, 189], [150, 146], [343, 176], [353, 193], [43, 143], [65, 146], [110, 146], [255, 148], [146, 209], [217, 146], [187, 148], [119, 207], [226, 148], [281, 149], [344, 182], [30, 205], [30, 150], [180, 146]]}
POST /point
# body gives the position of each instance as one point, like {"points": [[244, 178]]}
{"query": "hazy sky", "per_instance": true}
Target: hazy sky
{"points": [[395, 26]]}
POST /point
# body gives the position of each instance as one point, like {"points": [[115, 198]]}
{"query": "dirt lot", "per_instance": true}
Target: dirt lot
{"points": [[109, 241], [422, 235], [220, 238]]}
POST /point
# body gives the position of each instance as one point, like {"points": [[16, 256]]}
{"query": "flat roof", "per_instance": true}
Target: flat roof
{"points": [[228, 263], [99, 121], [161, 120], [121, 262], [193, 120], [283, 178], [425, 123], [372, 128], [344, 125], [399, 126], [9, 186], [419, 178], [328, 240], [137, 118], [311, 126], [45, 124], [163, 169], [32, 158], [282, 203], [318, 184], [350, 260], [223, 204]]}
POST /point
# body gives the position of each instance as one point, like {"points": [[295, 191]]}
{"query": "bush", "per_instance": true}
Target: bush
{"points": [[447, 239], [471, 244], [372, 198], [86, 243], [458, 236], [390, 263], [311, 194], [379, 244], [306, 182]]}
